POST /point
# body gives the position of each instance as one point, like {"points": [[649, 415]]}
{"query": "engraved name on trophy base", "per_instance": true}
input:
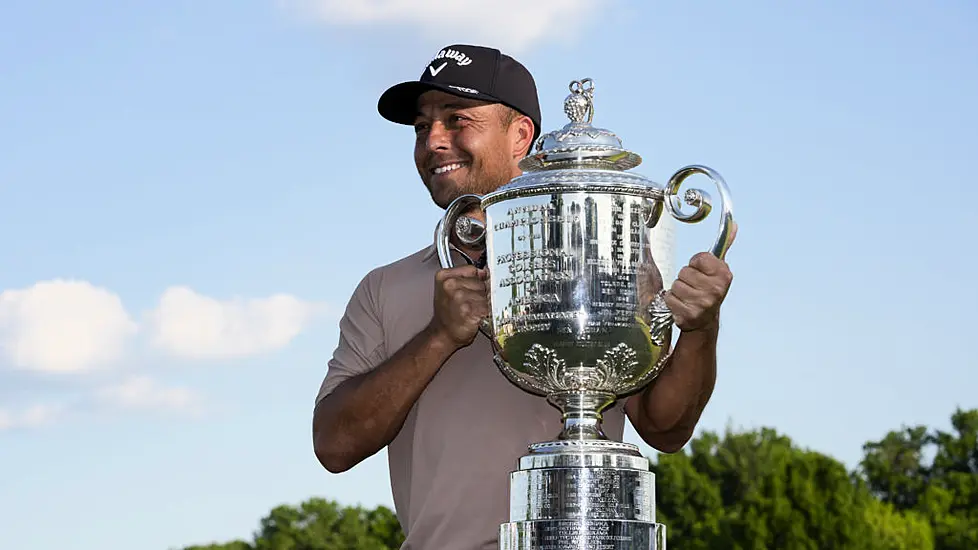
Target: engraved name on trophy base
{"points": [[583, 496], [578, 318]]}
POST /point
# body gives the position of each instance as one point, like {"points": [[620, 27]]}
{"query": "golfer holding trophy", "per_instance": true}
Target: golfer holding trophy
{"points": [[545, 247]]}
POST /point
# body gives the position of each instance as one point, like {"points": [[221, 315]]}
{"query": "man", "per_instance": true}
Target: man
{"points": [[412, 372]]}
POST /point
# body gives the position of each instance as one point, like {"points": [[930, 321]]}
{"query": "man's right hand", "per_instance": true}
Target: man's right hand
{"points": [[461, 302]]}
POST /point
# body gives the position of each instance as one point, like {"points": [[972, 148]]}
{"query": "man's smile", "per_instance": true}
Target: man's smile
{"points": [[447, 168]]}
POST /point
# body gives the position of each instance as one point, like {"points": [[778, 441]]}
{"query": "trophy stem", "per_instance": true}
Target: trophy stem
{"points": [[581, 413]]}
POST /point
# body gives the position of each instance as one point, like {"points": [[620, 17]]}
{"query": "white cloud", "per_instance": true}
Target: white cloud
{"points": [[144, 393], [187, 324], [32, 417], [511, 25], [63, 326]]}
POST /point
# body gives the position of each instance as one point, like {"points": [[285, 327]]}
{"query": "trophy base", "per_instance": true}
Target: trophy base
{"points": [[582, 494], [582, 534]]}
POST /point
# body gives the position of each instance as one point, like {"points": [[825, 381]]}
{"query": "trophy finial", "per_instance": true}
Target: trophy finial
{"points": [[579, 105], [579, 145]]}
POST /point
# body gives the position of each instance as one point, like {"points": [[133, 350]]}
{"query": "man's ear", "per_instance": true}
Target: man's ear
{"points": [[522, 129]]}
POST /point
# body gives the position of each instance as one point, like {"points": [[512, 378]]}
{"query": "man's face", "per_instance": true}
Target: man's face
{"points": [[465, 146]]}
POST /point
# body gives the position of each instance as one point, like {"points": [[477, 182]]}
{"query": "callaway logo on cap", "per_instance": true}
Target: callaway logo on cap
{"points": [[467, 71]]}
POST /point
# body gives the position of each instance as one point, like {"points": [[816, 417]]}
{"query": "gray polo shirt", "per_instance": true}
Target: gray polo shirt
{"points": [[450, 463]]}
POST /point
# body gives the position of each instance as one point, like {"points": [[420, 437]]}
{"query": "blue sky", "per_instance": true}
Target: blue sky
{"points": [[191, 190]]}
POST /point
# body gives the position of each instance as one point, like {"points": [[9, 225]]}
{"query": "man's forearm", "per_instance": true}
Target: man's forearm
{"points": [[665, 413], [365, 413]]}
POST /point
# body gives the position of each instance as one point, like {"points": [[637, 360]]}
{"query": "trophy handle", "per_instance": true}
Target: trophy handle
{"points": [[701, 201], [469, 230], [659, 312]]}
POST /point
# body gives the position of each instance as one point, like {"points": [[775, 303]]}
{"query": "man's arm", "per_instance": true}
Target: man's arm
{"points": [[666, 412], [364, 413]]}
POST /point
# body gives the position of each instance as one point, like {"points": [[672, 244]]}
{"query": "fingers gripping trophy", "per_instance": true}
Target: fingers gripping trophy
{"points": [[579, 318]]}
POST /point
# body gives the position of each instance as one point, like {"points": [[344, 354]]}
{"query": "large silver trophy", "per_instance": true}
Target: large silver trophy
{"points": [[578, 317]]}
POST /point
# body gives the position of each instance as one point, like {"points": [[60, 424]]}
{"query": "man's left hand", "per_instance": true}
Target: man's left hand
{"points": [[698, 291]]}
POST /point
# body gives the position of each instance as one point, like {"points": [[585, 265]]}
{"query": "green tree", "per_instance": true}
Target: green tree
{"points": [[757, 491], [319, 524], [894, 467], [944, 491]]}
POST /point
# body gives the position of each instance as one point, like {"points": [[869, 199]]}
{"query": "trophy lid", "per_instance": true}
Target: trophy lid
{"points": [[579, 145]]}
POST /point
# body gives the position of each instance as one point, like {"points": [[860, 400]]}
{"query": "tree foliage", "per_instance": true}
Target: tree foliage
{"points": [[915, 489], [319, 524], [758, 491], [942, 491]]}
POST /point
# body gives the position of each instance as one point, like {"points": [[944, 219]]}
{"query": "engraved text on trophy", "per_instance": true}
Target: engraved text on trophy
{"points": [[570, 274]]}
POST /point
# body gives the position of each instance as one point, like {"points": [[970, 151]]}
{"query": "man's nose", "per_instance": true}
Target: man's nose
{"points": [[438, 137]]}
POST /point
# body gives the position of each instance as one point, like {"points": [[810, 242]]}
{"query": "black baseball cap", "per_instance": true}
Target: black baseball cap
{"points": [[471, 71]]}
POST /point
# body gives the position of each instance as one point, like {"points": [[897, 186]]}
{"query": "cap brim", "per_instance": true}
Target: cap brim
{"points": [[400, 102]]}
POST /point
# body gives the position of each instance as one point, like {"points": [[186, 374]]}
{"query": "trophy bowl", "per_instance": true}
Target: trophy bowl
{"points": [[577, 301]]}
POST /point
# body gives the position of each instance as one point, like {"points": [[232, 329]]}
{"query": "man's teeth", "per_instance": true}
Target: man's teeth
{"points": [[449, 168]]}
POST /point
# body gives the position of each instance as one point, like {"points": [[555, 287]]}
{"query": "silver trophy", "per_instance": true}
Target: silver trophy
{"points": [[578, 317]]}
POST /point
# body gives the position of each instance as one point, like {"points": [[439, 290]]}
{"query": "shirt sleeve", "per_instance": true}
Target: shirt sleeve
{"points": [[361, 344]]}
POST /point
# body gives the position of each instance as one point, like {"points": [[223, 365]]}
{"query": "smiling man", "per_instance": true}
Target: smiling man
{"points": [[412, 374], [475, 113]]}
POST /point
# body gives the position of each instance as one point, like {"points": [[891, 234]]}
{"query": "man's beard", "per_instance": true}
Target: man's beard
{"points": [[480, 185]]}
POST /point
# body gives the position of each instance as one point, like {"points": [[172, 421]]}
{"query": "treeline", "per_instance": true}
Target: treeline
{"points": [[915, 489]]}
